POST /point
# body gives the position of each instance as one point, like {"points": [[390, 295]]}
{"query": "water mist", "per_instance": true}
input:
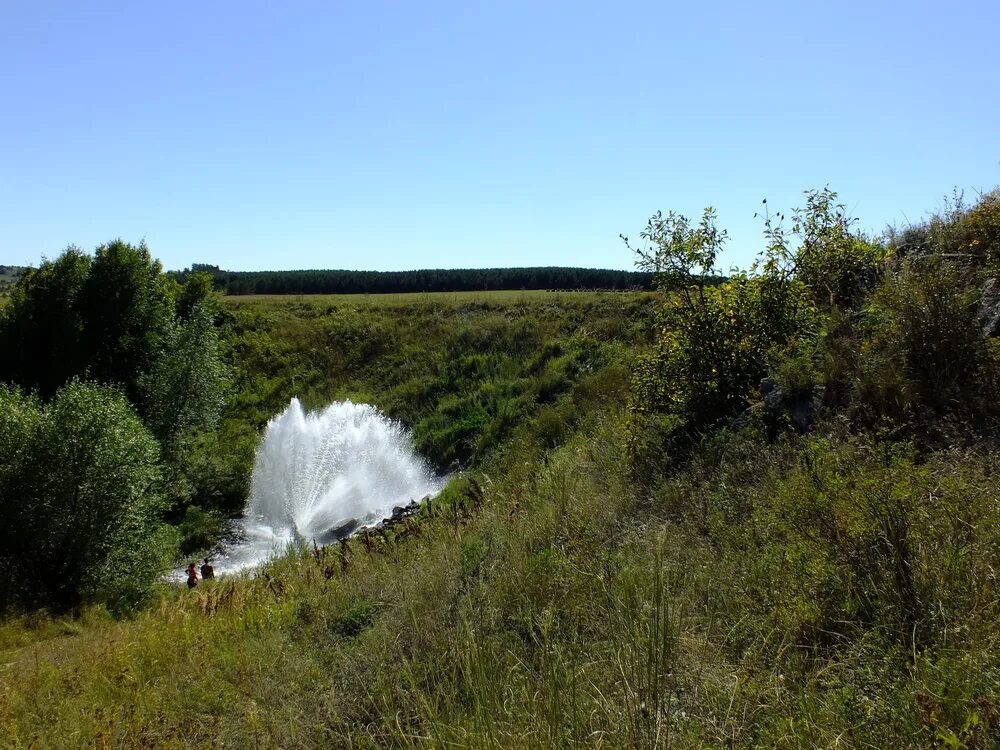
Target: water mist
{"points": [[319, 473]]}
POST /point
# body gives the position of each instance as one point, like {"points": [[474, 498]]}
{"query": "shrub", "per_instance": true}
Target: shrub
{"points": [[81, 490], [925, 348], [957, 231], [199, 530], [837, 265], [984, 227], [716, 340], [859, 537], [356, 619]]}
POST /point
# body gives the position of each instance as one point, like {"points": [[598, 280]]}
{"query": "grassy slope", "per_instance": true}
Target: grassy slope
{"points": [[565, 604], [561, 359], [8, 278], [460, 374]]}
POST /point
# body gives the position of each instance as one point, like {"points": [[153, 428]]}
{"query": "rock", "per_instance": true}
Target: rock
{"points": [[799, 407], [745, 417], [773, 395], [398, 512], [989, 307], [338, 533]]}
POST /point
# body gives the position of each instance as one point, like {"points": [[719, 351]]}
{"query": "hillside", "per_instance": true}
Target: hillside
{"points": [[762, 513], [9, 276]]}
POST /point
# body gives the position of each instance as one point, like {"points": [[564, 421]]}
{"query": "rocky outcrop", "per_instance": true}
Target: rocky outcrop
{"points": [[989, 307], [798, 407], [355, 526]]}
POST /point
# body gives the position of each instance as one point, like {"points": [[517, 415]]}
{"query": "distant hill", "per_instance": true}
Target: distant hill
{"points": [[9, 276], [428, 280]]}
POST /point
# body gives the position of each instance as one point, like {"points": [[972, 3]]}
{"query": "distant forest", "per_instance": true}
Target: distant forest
{"points": [[432, 280]]}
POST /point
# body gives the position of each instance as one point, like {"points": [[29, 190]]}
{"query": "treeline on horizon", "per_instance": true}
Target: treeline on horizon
{"points": [[427, 280]]}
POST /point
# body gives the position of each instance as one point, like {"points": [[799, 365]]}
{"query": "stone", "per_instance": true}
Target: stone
{"points": [[800, 407], [989, 307]]}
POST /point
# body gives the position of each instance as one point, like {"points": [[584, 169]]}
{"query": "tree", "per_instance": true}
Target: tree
{"points": [[198, 288], [41, 329], [837, 264], [127, 309], [80, 481], [183, 388], [715, 341]]}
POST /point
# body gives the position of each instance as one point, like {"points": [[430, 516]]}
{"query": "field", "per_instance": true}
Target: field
{"points": [[522, 296], [315, 650]]}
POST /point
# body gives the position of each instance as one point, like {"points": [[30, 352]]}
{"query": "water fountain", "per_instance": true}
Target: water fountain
{"points": [[320, 474]]}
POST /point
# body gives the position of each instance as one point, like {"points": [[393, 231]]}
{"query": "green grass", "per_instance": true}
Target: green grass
{"points": [[460, 375], [566, 607]]}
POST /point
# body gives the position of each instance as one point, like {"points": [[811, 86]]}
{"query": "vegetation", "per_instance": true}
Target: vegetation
{"points": [[428, 280], [8, 278], [79, 479], [648, 547], [86, 480]]}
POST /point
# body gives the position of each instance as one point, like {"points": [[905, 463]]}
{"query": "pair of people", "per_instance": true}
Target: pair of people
{"points": [[207, 573]]}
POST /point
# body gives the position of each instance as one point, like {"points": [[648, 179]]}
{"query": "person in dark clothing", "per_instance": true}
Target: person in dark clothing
{"points": [[207, 571], [192, 576]]}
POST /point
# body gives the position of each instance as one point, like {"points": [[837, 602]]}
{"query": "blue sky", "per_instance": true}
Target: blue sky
{"points": [[380, 135]]}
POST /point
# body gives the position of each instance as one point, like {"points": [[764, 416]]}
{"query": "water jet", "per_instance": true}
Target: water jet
{"points": [[322, 475]]}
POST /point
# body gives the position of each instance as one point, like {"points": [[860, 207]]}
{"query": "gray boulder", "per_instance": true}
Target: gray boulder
{"points": [[989, 308], [799, 407]]}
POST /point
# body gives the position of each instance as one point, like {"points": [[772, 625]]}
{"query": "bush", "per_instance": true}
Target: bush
{"points": [[199, 530], [861, 537], [81, 485], [959, 232], [837, 265], [984, 226], [716, 340], [925, 349]]}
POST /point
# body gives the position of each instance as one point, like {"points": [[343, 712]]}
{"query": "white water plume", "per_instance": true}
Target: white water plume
{"points": [[318, 474]]}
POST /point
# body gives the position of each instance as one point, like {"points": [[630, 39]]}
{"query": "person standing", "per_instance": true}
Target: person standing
{"points": [[192, 576], [207, 571]]}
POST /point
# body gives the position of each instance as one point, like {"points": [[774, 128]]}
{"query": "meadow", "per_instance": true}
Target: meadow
{"points": [[487, 297]]}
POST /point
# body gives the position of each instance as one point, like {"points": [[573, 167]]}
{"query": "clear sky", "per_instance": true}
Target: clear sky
{"points": [[380, 135]]}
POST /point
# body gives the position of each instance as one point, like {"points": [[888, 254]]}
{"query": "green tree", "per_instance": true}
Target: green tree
{"points": [[198, 289], [19, 417], [716, 340], [41, 328], [836, 263], [127, 310], [81, 489], [183, 388]]}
